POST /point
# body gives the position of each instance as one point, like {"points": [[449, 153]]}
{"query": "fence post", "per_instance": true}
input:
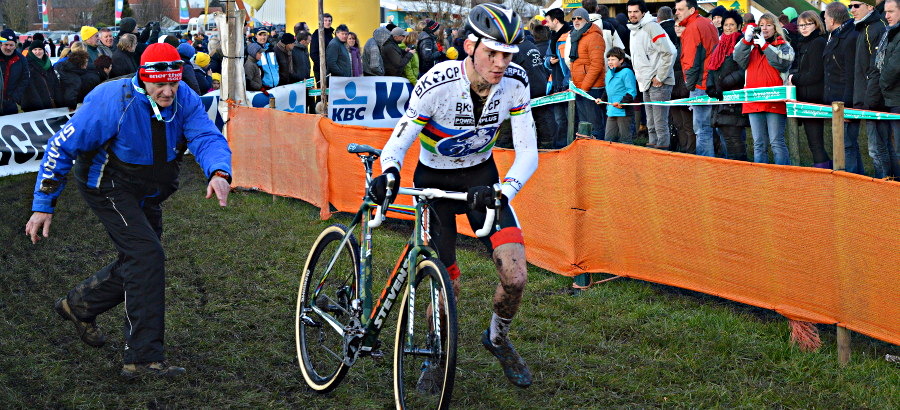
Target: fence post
{"points": [[570, 116], [585, 128], [582, 280], [837, 136], [839, 161]]}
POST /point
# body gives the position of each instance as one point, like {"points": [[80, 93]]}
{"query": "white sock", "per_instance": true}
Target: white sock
{"points": [[499, 329]]}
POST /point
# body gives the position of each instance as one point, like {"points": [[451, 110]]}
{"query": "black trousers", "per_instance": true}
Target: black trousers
{"points": [[129, 209]]}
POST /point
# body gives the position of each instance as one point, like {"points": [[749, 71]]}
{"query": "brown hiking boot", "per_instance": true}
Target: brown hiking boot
{"points": [[87, 331], [154, 369]]}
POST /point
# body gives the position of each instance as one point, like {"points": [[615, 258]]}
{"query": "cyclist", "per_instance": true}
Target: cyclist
{"points": [[455, 111]]}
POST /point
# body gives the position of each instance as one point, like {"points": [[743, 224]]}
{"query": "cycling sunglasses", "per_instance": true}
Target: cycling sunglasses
{"points": [[164, 66], [856, 6]]}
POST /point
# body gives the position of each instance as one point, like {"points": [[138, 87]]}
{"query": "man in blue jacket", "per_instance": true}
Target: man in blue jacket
{"points": [[124, 147]]}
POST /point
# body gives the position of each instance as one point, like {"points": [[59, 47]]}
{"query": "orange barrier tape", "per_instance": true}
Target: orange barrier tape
{"points": [[811, 244]]}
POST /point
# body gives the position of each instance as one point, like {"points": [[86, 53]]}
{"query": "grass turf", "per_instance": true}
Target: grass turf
{"points": [[231, 288]]}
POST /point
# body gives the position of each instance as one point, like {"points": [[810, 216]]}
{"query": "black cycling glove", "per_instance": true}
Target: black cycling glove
{"points": [[482, 197], [378, 187]]}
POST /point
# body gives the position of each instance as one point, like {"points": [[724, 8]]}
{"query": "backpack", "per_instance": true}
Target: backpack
{"points": [[269, 65]]}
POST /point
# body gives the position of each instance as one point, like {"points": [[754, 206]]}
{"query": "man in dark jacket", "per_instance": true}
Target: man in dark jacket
{"points": [[372, 61], [284, 54], [337, 57], [71, 76], [529, 57], [556, 63], [888, 61], [393, 56], [187, 52], [429, 55], [14, 70], [866, 94], [327, 34], [300, 54]]}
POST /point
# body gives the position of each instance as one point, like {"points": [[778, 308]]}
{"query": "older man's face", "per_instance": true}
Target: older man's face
{"points": [[92, 40], [8, 47], [106, 38]]}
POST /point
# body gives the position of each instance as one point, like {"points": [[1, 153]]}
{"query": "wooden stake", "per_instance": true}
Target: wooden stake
{"points": [[570, 116], [792, 138], [843, 345], [837, 136]]}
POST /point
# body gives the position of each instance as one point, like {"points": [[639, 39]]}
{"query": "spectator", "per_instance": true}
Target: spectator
{"points": [[395, 58], [371, 59], [666, 20], [124, 57], [149, 34], [808, 75], [653, 56], [680, 115], [71, 73], [427, 47], [252, 71], [529, 58], [697, 42], [200, 43], [301, 26], [621, 29], [300, 55], [888, 62], [610, 35], [201, 71], [765, 56], [559, 71], [866, 92], [215, 55], [216, 82], [459, 46], [411, 69], [14, 78], [126, 26], [95, 76], [838, 58], [588, 69], [261, 37], [327, 33], [91, 40], [620, 89], [106, 42], [716, 15], [187, 52], [44, 89], [337, 57], [76, 46], [356, 69], [749, 19], [284, 54], [726, 75], [541, 38]]}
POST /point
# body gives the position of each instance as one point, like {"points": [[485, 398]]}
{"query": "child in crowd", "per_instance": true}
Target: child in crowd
{"points": [[621, 87], [216, 81]]}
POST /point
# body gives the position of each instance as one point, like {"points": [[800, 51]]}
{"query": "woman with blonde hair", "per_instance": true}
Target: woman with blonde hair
{"points": [[411, 69], [808, 75], [124, 60], [356, 69], [766, 56]]}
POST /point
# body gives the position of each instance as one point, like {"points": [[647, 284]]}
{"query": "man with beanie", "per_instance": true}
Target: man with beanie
{"points": [[91, 39], [125, 186], [337, 57], [588, 69], [14, 72], [284, 50], [393, 56], [429, 55], [327, 33], [373, 64], [716, 15], [44, 89], [200, 64], [653, 58], [699, 39], [187, 52]]}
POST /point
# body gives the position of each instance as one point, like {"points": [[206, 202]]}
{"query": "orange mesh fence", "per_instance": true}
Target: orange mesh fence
{"points": [[811, 244]]}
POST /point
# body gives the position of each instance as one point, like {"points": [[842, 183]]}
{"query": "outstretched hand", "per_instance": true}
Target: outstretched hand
{"points": [[38, 224], [220, 187]]}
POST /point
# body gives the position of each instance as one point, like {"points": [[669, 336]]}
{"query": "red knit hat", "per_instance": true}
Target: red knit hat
{"points": [[160, 63]]}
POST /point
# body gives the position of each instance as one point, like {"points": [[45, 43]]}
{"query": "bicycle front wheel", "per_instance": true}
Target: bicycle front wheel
{"points": [[425, 345], [323, 307]]}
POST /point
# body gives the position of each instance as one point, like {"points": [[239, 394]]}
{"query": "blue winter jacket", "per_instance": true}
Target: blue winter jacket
{"points": [[619, 82], [115, 118]]}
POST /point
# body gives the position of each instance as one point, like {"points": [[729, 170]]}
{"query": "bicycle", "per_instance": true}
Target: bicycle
{"points": [[338, 320]]}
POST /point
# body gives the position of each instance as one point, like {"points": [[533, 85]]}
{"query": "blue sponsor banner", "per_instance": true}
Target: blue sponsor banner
{"points": [[369, 101]]}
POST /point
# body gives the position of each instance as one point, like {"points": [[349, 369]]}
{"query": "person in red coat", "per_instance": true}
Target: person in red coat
{"points": [[697, 43]]}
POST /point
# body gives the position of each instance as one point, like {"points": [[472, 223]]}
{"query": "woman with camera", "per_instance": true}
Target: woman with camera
{"points": [[766, 56]]}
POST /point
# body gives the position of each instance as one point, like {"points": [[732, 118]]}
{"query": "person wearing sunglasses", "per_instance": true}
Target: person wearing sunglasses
{"points": [[866, 93], [124, 149]]}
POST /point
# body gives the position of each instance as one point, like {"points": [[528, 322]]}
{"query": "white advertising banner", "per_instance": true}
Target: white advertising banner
{"points": [[369, 101], [23, 138]]}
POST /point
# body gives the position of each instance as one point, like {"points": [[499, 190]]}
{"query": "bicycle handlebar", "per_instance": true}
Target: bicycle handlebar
{"points": [[433, 193]]}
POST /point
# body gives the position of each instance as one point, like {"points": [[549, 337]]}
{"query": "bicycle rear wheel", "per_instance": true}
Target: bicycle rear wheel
{"points": [[425, 344], [323, 307]]}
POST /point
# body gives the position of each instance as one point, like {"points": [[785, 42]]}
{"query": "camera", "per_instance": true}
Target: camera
{"points": [[757, 31]]}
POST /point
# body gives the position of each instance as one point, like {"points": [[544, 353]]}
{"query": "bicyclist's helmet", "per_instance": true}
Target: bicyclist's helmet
{"points": [[496, 26]]}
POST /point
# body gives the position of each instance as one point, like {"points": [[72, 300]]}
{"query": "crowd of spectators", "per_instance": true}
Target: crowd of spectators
{"points": [[841, 54]]}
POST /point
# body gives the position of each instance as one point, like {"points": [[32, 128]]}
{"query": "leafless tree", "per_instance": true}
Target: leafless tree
{"points": [[16, 14], [73, 14], [152, 10]]}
